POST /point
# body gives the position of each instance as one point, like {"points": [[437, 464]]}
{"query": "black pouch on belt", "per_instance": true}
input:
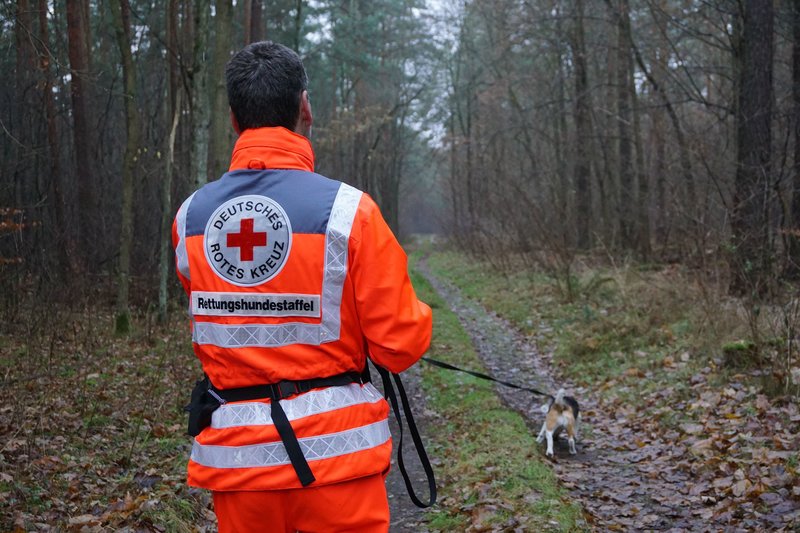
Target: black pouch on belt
{"points": [[201, 407]]}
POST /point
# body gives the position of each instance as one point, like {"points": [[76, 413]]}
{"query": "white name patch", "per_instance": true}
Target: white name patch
{"points": [[249, 304]]}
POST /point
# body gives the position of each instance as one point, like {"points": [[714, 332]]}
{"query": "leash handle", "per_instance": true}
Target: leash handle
{"points": [[448, 366], [389, 394]]}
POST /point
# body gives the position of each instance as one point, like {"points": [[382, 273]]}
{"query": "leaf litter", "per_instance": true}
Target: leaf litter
{"points": [[92, 434]]}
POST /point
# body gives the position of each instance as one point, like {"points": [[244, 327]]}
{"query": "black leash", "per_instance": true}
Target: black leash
{"points": [[388, 391], [389, 394], [448, 366]]}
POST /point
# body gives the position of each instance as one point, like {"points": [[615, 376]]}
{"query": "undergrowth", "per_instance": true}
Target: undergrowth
{"points": [[626, 323]]}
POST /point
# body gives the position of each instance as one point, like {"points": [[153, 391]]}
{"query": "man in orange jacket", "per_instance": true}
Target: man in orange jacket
{"points": [[294, 280]]}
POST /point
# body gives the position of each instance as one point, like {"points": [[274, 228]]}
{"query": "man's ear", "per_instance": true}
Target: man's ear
{"points": [[306, 118], [235, 124]]}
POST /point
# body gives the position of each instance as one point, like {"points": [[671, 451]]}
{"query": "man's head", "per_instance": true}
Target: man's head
{"points": [[267, 87]]}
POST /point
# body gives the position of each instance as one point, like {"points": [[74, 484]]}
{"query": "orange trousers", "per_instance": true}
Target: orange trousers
{"points": [[360, 505]]}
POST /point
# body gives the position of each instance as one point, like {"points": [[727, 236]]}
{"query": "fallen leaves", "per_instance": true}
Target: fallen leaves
{"points": [[93, 440], [725, 456]]}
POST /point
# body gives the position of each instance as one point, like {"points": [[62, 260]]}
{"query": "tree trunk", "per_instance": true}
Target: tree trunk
{"points": [[121, 15], [247, 21], [582, 168], [174, 110], [173, 53], [166, 213], [59, 231], [81, 129], [257, 30], [750, 218], [298, 24], [793, 237], [220, 149], [562, 187], [25, 84], [201, 113], [608, 183], [642, 222], [253, 21], [643, 235], [627, 174], [659, 169]]}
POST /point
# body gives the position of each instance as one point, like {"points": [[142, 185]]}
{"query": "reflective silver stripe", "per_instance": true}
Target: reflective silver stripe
{"points": [[261, 335], [312, 403], [181, 256], [336, 240], [337, 237], [274, 453]]}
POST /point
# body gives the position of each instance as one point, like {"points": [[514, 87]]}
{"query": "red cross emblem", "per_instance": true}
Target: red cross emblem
{"points": [[246, 239]]}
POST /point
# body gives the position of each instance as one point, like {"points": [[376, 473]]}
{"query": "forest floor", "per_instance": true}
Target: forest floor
{"points": [[92, 431], [727, 462]]}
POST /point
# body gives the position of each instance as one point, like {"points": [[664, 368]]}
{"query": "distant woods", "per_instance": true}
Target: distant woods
{"points": [[658, 130], [115, 111]]}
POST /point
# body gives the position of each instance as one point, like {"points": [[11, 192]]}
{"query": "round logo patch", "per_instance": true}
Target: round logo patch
{"points": [[247, 240]]}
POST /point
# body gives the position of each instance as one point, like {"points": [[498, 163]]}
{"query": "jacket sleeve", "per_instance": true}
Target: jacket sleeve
{"points": [[397, 326]]}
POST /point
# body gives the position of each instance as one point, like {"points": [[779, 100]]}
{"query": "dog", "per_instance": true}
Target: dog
{"points": [[561, 413]]}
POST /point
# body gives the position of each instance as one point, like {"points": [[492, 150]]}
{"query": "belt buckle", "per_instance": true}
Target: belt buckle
{"points": [[284, 389]]}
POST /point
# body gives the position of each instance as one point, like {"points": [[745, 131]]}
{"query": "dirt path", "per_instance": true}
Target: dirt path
{"points": [[623, 483]]}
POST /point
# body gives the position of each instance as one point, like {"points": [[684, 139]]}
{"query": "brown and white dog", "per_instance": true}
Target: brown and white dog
{"points": [[561, 413]]}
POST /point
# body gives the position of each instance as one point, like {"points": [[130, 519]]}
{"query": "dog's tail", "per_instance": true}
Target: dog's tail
{"points": [[559, 399]]}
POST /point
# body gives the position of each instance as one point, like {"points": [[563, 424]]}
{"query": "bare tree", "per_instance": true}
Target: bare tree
{"points": [[77, 31], [65, 246], [625, 142], [174, 110], [200, 103], [793, 237], [583, 136], [121, 13], [219, 143]]}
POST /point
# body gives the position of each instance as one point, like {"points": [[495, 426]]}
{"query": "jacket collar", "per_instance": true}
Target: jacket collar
{"points": [[273, 148]]}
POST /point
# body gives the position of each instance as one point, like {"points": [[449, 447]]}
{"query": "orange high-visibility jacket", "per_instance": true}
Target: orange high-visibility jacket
{"points": [[293, 276]]}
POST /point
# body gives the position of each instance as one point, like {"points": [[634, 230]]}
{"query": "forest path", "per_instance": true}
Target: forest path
{"points": [[624, 478]]}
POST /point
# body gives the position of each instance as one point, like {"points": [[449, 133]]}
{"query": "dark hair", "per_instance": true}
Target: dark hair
{"points": [[265, 81]]}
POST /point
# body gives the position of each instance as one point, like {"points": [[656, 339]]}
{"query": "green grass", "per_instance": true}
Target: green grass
{"points": [[596, 336], [492, 472]]}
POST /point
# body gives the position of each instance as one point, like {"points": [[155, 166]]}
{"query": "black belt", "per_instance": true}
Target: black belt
{"points": [[278, 391], [286, 388]]}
